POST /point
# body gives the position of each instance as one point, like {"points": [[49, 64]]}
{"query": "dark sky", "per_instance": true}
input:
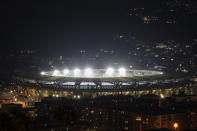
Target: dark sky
{"points": [[50, 26]]}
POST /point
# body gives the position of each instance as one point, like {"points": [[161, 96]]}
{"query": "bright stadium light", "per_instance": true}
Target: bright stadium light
{"points": [[55, 72], [88, 72], [43, 73], [76, 72], [110, 71], [122, 71], [66, 71]]}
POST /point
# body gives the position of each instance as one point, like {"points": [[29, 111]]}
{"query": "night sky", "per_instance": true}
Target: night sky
{"points": [[60, 27]]}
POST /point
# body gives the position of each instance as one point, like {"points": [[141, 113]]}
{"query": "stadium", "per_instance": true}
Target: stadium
{"points": [[100, 73], [88, 80], [89, 77]]}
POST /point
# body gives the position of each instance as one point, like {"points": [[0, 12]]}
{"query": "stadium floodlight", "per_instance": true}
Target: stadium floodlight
{"points": [[66, 71], [161, 73], [109, 71], [122, 71], [43, 73], [55, 72], [76, 72], [88, 72]]}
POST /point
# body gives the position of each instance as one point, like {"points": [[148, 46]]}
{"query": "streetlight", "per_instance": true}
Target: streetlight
{"points": [[176, 125], [162, 96], [139, 118]]}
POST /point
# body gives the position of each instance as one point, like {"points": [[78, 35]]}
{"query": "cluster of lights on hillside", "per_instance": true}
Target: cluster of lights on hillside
{"points": [[87, 72]]}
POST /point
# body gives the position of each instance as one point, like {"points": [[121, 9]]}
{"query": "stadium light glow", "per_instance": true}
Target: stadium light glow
{"points": [[110, 71], [43, 73], [56, 73], [122, 71], [66, 71], [76, 72], [88, 72], [161, 73], [99, 73]]}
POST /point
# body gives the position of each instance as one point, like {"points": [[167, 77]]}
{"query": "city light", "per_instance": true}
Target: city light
{"points": [[56, 73], [162, 96], [76, 72], [110, 71], [66, 71], [176, 125], [138, 118], [76, 96], [122, 71], [88, 72]]}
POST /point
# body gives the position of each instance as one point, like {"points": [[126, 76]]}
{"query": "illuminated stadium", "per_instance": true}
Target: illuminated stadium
{"points": [[97, 79], [100, 73], [89, 78]]}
